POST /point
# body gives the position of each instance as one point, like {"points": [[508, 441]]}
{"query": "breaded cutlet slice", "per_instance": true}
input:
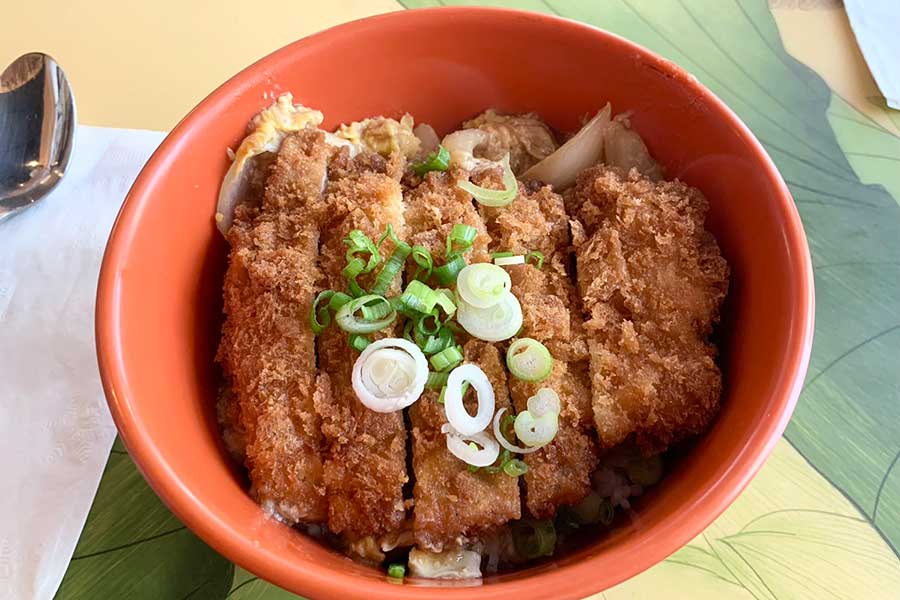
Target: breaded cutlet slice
{"points": [[652, 281], [452, 504], [267, 346], [559, 473], [365, 451]]}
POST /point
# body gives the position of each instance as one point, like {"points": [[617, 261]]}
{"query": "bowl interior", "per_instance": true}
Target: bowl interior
{"points": [[159, 307]]}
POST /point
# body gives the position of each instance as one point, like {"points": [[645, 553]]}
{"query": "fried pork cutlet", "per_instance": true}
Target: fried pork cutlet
{"points": [[559, 473], [652, 280], [365, 456], [451, 503], [267, 347]]}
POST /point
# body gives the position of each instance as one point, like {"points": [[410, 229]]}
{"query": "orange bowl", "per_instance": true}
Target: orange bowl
{"points": [[159, 296]]}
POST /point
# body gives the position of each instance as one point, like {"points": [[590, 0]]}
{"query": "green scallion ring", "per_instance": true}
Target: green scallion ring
{"points": [[529, 360], [396, 571], [424, 263], [436, 380], [439, 160], [446, 274], [358, 342], [348, 321], [447, 358], [392, 267], [319, 317], [515, 467], [538, 258], [460, 239]]}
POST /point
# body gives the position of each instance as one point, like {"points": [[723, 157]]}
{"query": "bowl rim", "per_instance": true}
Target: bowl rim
{"points": [[668, 537]]}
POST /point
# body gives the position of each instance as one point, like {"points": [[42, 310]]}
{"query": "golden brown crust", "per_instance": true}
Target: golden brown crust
{"points": [[558, 474], [652, 281], [365, 456], [452, 504], [266, 349]]}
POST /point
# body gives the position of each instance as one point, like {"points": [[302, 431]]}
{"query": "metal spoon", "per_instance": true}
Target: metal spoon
{"points": [[37, 128]]}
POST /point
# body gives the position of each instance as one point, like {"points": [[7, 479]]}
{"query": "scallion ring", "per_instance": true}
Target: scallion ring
{"points": [[378, 308], [446, 274], [456, 412], [319, 317], [420, 298], [358, 342], [424, 263], [491, 197], [391, 268], [447, 358], [494, 324], [389, 375], [460, 239], [439, 160], [478, 449], [483, 285], [514, 467], [358, 242], [506, 261], [536, 431], [529, 360], [537, 257], [501, 439], [436, 380], [544, 402]]}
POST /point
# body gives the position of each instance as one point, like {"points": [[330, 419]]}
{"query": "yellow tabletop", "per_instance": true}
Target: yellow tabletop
{"points": [[822, 519]]}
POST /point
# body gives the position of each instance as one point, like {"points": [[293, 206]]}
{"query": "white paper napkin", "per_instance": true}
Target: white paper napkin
{"points": [[876, 25], [55, 429]]}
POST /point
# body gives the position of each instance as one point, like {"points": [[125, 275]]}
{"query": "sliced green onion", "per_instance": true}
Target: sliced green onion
{"points": [[505, 457], [490, 197], [424, 263], [435, 343], [353, 269], [644, 471], [535, 431], [407, 328], [465, 388], [447, 359], [529, 360], [421, 298], [439, 160], [538, 258], [483, 285], [515, 467], [348, 321], [422, 323], [502, 254], [505, 261], [590, 509], [358, 342], [446, 273], [338, 300], [375, 311], [436, 380], [396, 570], [392, 267], [533, 538], [607, 512], [460, 239], [494, 324], [358, 242], [319, 317]]}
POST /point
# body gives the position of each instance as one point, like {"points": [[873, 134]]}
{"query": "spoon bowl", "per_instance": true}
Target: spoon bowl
{"points": [[37, 118]]}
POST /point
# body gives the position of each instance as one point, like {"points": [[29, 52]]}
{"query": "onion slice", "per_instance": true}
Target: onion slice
{"points": [[456, 412], [584, 149], [389, 375], [501, 439], [505, 261], [545, 401], [483, 454]]}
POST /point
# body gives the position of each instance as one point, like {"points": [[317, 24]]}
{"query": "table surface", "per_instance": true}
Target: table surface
{"points": [[822, 519]]}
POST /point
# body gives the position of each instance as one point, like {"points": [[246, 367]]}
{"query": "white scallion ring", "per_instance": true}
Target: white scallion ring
{"points": [[478, 450], [494, 324], [454, 408], [498, 434], [389, 375]]}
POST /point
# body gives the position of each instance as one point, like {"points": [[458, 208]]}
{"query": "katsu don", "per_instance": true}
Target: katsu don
{"points": [[444, 355]]}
